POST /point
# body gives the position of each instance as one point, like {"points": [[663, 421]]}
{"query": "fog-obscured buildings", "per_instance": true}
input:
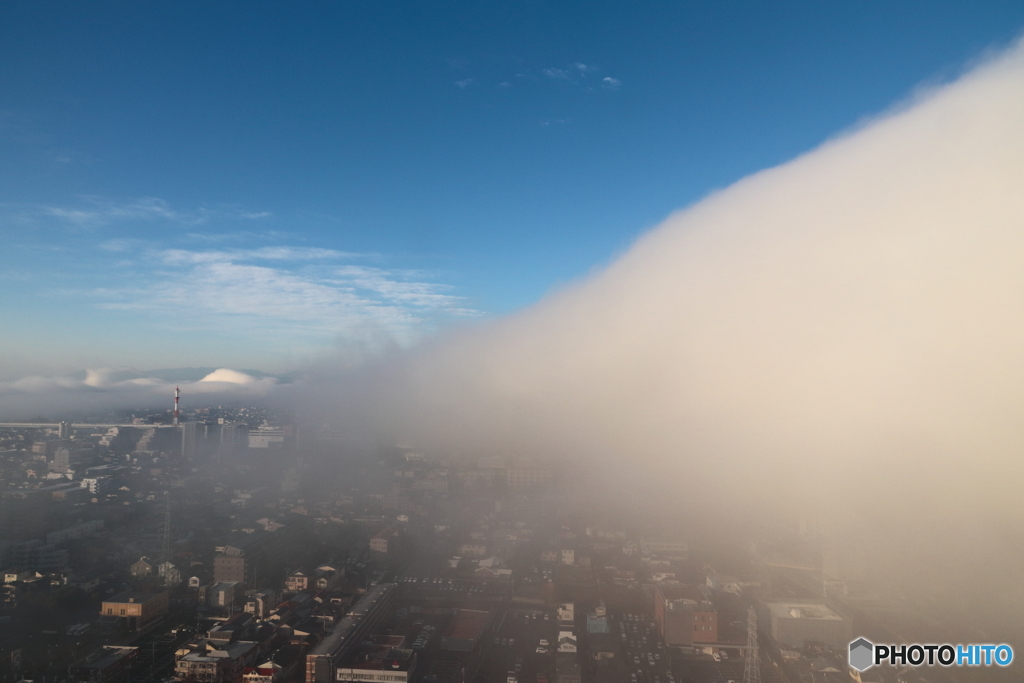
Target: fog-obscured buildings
{"points": [[794, 623]]}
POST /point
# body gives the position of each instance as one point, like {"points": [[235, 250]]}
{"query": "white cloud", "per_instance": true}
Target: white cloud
{"points": [[611, 83], [230, 376], [466, 82], [402, 287], [556, 74], [95, 210], [121, 245], [306, 291], [177, 256]]}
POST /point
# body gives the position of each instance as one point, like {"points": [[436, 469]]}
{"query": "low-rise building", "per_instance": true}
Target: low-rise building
{"points": [[97, 485], [138, 610], [37, 556], [384, 542], [392, 666], [567, 668], [465, 630], [684, 615], [109, 663], [523, 474], [216, 663], [796, 622], [170, 574], [262, 603], [267, 672], [296, 581], [473, 550], [247, 556], [141, 568], [76, 532]]}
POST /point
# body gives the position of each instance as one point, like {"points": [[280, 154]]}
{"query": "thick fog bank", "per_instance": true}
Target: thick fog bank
{"points": [[841, 335]]}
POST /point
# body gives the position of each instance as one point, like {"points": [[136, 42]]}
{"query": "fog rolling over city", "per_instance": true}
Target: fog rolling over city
{"points": [[839, 337]]}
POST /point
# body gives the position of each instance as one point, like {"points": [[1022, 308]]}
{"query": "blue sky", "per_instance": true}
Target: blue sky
{"points": [[243, 184]]}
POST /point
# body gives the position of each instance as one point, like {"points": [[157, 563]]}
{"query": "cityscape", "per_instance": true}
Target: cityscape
{"points": [[232, 544]]}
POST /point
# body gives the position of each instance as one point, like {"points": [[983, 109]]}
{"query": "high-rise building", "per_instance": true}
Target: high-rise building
{"points": [[234, 437], [64, 430], [192, 437]]}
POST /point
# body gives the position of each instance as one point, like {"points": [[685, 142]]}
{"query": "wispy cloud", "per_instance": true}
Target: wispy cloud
{"points": [[121, 244], [96, 210], [407, 287], [284, 290], [179, 256], [557, 74], [577, 74], [583, 76]]}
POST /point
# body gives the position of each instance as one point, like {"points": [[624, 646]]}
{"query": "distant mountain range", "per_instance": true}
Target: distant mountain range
{"points": [[188, 374]]}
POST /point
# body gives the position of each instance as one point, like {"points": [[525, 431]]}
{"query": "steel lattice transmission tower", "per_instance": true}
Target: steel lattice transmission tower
{"points": [[752, 666], [165, 550]]}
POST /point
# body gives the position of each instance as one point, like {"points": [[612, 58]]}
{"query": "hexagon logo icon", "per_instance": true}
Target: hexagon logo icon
{"points": [[862, 654]]}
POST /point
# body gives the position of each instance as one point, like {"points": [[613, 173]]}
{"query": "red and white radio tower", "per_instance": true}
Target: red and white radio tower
{"points": [[177, 393]]}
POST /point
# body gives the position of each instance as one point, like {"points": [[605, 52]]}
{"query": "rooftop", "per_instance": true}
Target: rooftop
{"points": [[468, 624], [105, 657], [134, 597], [393, 660], [802, 610], [334, 641]]}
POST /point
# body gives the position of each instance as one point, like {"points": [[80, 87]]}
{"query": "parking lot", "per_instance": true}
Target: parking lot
{"points": [[645, 658], [442, 587], [516, 647]]}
